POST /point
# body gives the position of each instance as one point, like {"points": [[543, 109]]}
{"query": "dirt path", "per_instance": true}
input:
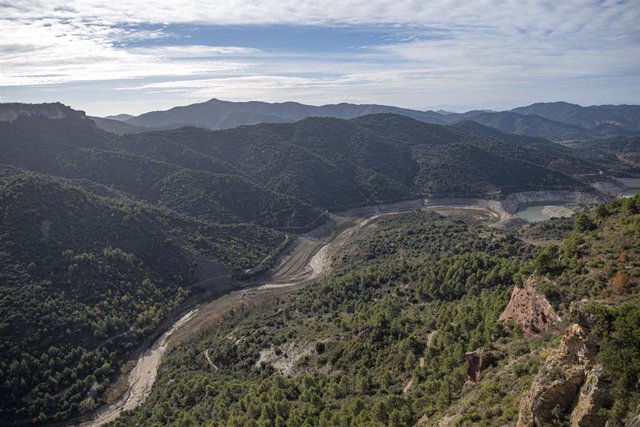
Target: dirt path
{"points": [[141, 378], [318, 256], [206, 355], [407, 386]]}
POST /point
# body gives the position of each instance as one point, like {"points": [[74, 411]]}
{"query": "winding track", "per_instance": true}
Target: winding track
{"points": [[310, 259], [141, 378]]}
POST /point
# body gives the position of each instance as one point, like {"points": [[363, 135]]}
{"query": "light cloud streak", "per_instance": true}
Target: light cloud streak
{"points": [[485, 53]]}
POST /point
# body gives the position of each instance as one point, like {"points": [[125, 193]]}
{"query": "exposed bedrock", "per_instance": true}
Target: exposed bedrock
{"points": [[478, 360], [512, 201], [531, 310], [570, 386]]}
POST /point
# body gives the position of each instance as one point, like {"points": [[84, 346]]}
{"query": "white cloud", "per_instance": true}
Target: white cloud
{"points": [[195, 51], [536, 16], [50, 51], [482, 52]]}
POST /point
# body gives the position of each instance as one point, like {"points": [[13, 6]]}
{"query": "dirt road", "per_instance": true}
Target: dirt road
{"points": [[141, 378]]}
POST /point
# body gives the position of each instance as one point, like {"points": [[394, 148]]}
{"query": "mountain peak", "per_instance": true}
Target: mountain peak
{"points": [[555, 104]]}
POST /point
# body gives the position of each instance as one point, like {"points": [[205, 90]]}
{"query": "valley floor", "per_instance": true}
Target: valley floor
{"points": [[308, 259]]}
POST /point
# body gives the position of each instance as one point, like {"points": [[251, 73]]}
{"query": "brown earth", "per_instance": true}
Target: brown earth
{"points": [[531, 310]]}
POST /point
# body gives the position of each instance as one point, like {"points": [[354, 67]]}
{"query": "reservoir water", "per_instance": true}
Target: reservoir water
{"points": [[537, 213], [630, 192], [532, 213]]}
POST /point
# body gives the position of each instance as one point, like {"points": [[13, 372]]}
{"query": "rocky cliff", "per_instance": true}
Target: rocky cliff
{"points": [[635, 421], [571, 387], [479, 360], [530, 309], [9, 112], [512, 201]]}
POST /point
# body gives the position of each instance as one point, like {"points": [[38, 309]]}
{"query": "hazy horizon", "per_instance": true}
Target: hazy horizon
{"points": [[135, 57], [437, 108]]}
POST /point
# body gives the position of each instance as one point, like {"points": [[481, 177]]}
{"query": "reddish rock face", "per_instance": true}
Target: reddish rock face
{"points": [[530, 310], [477, 361]]}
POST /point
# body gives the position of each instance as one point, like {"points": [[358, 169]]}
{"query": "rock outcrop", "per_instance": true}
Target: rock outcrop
{"points": [[479, 360], [514, 200], [530, 309], [12, 111], [570, 386], [635, 421], [594, 395]]}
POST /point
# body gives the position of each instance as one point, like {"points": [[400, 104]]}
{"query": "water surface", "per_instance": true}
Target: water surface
{"points": [[542, 212], [630, 192], [532, 213]]}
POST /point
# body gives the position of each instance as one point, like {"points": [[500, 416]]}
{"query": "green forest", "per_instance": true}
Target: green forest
{"points": [[382, 341], [105, 237], [86, 279]]}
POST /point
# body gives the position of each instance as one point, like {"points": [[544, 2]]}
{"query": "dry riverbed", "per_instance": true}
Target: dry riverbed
{"points": [[309, 259]]}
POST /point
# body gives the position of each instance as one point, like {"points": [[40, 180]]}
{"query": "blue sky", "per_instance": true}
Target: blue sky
{"points": [[134, 56]]}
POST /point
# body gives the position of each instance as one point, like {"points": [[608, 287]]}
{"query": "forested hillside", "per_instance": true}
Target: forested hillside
{"points": [[421, 287], [84, 279], [104, 235], [558, 121], [623, 119], [288, 169], [77, 149], [625, 148], [385, 339], [532, 125]]}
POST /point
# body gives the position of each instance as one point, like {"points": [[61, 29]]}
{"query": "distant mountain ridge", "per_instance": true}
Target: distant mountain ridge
{"points": [[532, 125], [117, 126], [216, 114], [625, 118], [120, 117], [555, 121], [292, 169]]}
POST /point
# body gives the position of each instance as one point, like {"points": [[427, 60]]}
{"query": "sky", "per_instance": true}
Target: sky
{"points": [[134, 56]]}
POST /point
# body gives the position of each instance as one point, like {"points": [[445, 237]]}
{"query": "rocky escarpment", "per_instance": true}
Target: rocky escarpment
{"points": [[479, 360], [9, 112], [531, 310], [571, 386], [512, 201]]}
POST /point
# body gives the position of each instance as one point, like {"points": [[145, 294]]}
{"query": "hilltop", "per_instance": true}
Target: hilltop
{"points": [[555, 121]]}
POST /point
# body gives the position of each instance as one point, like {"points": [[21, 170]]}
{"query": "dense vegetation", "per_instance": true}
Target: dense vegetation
{"points": [[599, 259], [84, 279], [404, 305], [102, 236], [618, 333], [383, 340]]}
